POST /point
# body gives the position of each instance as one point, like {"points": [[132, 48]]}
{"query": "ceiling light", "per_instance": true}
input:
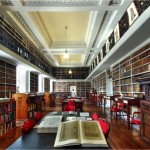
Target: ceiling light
{"points": [[66, 55], [70, 72]]}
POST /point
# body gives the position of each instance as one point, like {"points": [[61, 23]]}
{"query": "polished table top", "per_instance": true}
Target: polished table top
{"points": [[34, 140]]}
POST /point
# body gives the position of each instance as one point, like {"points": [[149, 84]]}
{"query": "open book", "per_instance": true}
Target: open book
{"points": [[80, 132]]}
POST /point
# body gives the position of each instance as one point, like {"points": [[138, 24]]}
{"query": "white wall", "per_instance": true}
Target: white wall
{"points": [[41, 84], [51, 85], [109, 87], [22, 79]]}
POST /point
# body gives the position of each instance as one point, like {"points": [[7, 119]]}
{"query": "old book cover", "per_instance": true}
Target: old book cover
{"points": [[49, 124]]}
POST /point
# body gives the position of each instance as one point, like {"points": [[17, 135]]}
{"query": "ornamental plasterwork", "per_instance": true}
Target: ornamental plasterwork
{"points": [[115, 2], [61, 2], [6, 2], [16, 16]]}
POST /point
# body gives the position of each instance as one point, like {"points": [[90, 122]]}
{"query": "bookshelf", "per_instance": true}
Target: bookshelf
{"points": [[46, 84], [140, 6], [64, 87], [126, 73], [33, 82], [7, 116], [7, 79], [27, 105], [13, 40], [77, 73], [99, 83]]}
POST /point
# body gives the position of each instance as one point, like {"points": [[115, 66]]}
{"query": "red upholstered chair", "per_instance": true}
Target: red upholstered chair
{"points": [[136, 119], [95, 116], [82, 99], [38, 116], [105, 126], [28, 125], [69, 108], [62, 99], [118, 108], [71, 103]]}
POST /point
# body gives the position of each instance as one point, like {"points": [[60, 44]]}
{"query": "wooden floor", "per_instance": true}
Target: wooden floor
{"points": [[119, 136]]}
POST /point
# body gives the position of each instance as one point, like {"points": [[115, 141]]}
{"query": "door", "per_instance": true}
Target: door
{"points": [[73, 90]]}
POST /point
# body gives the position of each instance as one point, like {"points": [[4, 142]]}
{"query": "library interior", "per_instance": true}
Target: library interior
{"points": [[75, 69]]}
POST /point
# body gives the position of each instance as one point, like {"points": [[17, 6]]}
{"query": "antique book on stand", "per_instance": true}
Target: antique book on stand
{"points": [[80, 132], [49, 124]]}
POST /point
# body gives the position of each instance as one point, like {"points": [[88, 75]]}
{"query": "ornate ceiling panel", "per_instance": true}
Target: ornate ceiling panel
{"points": [[89, 22]]}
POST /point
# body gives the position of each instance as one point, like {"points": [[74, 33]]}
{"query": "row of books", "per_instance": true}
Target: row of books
{"points": [[31, 107], [4, 108], [7, 117], [7, 127]]}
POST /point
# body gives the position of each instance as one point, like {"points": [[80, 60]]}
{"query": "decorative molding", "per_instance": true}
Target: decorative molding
{"points": [[19, 20], [115, 2], [6, 3], [61, 3]]}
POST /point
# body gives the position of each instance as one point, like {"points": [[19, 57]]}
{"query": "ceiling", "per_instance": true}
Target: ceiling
{"points": [[42, 22]]}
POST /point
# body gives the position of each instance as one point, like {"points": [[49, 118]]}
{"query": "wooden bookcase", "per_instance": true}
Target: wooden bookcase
{"points": [[27, 105], [77, 73], [46, 84], [7, 116], [82, 87], [13, 40], [7, 79], [144, 81], [99, 83], [33, 82], [126, 73]]}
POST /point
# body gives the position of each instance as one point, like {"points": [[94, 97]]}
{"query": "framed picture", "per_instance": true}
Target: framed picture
{"points": [[107, 46], [101, 52], [116, 33], [132, 13]]}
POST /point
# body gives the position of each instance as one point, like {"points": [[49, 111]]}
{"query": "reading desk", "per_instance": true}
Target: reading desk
{"points": [[79, 104], [34, 140], [129, 102]]}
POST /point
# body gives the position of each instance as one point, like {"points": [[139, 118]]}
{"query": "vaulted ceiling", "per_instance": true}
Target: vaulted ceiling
{"points": [[42, 22]]}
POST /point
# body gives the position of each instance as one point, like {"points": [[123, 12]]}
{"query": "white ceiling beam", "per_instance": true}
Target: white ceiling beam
{"points": [[30, 23]]}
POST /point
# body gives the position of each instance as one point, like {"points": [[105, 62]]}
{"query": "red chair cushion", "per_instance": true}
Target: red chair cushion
{"points": [[28, 125], [71, 103], [38, 116], [95, 116], [69, 108], [104, 125], [114, 109], [120, 105], [136, 121], [83, 99]]}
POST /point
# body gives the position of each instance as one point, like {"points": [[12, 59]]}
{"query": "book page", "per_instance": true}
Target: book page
{"points": [[68, 134], [91, 134]]}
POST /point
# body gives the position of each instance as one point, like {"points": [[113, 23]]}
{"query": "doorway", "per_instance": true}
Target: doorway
{"points": [[73, 90]]}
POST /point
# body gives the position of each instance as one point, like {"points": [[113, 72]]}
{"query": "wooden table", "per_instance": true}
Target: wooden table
{"points": [[34, 140], [79, 104]]}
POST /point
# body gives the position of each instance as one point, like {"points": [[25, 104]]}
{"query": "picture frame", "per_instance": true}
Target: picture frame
{"points": [[117, 33], [132, 13], [107, 46], [101, 52]]}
